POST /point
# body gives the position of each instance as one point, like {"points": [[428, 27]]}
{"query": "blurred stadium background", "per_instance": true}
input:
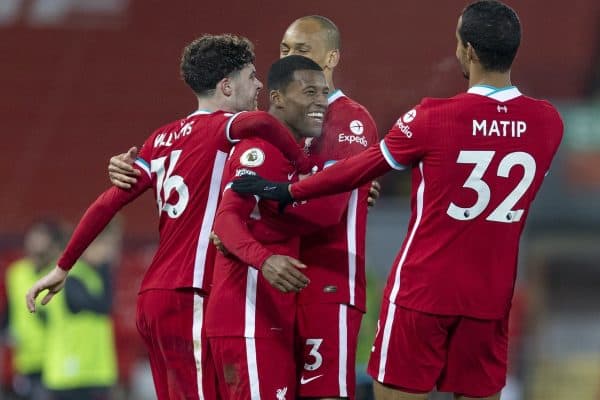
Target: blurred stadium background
{"points": [[82, 80]]}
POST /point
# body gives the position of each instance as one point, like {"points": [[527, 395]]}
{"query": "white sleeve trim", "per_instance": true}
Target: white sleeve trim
{"points": [[389, 158], [227, 133], [144, 166], [329, 163]]}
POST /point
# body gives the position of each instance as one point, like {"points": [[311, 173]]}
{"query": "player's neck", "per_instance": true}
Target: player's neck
{"points": [[490, 78], [329, 79], [275, 112], [213, 104]]}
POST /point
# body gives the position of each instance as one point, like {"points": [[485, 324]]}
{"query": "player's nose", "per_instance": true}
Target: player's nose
{"points": [[321, 101]]}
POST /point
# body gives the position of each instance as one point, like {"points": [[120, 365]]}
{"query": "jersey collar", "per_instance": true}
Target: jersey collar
{"points": [[199, 112], [499, 94], [336, 94]]}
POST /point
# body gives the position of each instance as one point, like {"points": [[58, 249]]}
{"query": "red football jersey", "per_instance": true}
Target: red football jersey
{"points": [[478, 160], [243, 302], [336, 255], [183, 162]]}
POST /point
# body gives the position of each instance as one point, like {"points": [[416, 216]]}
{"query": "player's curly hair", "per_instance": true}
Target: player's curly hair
{"points": [[494, 31], [211, 58]]}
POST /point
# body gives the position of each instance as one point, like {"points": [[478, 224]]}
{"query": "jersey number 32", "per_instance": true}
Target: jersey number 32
{"points": [[482, 159]]}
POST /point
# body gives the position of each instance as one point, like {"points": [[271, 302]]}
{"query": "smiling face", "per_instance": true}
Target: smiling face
{"points": [[305, 38], [303, 102]]}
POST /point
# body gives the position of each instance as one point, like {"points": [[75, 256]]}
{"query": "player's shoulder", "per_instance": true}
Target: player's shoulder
{"points": [[182, 127], [541, 106], [348, 120], [418, 114], [256, 141], [165, 128], [254, 151], [436, 103], [341, 103]]}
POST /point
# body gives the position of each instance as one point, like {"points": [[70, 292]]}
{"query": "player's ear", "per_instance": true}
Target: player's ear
{"points": [[225, 86], [275, 98], [471, 53], [333, 58]]}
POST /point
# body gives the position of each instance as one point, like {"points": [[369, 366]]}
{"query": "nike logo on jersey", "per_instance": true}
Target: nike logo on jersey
{"points": [[290, 176], [304, 381]]}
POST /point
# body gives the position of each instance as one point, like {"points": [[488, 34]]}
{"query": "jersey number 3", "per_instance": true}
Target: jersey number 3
{"points": [[482, 159], [167, 183]]}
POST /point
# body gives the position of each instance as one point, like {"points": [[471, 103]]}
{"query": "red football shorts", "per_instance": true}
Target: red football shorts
{"points": [[171, 324], [327, 336], [416, 352], [254, 368]]}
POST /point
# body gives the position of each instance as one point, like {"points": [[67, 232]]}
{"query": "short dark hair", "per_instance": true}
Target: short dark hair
{"points": [[494, 31], [331, 31], [211, 58], [282, 71]]}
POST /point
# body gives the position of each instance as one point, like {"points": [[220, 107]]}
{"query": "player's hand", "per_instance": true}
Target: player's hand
{"points": [[373, 193], [282, 273], [254, 184], [121, 171], [218, 244], [54, 281]]}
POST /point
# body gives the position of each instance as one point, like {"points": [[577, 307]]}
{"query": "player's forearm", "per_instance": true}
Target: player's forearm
{"points": [[343, 176], [263, 124], [231, 228], [318, 213], [95, 219]]}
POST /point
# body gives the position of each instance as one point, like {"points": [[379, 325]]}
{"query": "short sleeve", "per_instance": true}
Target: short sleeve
{"points": [[407, 141]]}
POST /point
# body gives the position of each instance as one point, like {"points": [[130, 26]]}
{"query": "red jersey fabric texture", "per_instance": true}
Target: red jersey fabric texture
{"points": [[183, 163], [478, 160], [336, 255], [243, 303]]}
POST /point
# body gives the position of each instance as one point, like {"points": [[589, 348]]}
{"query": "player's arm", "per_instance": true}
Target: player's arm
{"points": [[343, 176], [93, 222], [259, 123], [404, 146], [231, 228], [307, 217]]}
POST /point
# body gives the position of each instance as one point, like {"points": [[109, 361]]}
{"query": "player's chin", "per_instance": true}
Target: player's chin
{"points": [[313, 129]]}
